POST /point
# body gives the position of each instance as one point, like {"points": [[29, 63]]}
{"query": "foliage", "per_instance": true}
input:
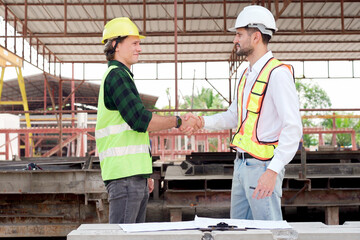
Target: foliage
{"points": [[204, 99], [343, 139], [311, 96]]}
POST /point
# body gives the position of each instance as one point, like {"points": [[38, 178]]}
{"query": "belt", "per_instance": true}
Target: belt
{"points": [[244, 155]]}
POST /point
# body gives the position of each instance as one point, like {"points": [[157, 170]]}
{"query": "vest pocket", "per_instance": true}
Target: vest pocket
{"points": [[253, 103]]}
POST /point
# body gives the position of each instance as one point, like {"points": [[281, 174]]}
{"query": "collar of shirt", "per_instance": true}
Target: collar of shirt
{"points": [[260, 63], [120, 65]]}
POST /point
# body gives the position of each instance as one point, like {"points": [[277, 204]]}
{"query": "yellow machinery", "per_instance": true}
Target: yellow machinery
{"points": [[8, 59]]}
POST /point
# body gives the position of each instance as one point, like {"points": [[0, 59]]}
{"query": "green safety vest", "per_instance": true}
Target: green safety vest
{"points": [[123, 152], [245, 137]]}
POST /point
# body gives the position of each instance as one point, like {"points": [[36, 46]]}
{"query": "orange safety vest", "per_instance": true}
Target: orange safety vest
{"points": [[245, 137]]}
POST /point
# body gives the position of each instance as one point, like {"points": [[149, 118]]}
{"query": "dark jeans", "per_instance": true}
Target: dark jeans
{"points": [[128, 198]]}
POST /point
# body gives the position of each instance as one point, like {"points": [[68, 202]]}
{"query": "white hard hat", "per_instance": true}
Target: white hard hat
{"points": [[256, 16]]}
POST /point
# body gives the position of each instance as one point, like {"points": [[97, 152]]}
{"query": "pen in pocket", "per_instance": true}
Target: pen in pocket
{"points": [[252, 187]]}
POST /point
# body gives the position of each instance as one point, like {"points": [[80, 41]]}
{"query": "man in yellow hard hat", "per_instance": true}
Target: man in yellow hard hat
{"points": [[265, 113], [122, 126]]}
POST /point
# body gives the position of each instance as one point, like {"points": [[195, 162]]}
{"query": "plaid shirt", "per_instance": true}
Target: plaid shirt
{"points": [[120, 94]]}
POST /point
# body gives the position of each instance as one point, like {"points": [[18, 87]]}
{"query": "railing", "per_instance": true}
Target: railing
{"points": [[170, 144]]}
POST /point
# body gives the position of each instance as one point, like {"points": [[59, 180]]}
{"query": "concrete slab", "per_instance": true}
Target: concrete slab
{"points": [[305, 231], [328, 233], [121, 235], [352, 223], [243, 235], [343, 226], [298, 225], [104, 226]]}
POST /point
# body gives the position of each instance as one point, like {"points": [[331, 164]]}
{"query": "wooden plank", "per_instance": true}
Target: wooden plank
{"points": [[10, 57]]}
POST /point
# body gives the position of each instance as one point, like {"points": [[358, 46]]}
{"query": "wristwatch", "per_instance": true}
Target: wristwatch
{"points": [[178, 121]]}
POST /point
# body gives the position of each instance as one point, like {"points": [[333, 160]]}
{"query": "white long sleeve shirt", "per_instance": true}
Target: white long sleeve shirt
{"points": [[279, 117]]}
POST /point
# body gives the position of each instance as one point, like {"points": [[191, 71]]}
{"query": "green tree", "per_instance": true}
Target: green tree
{"points": [[204, 99], [311, 95]]}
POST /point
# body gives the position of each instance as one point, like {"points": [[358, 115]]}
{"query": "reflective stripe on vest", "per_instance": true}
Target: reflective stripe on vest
{"points": [[114, 129], [245, 137], [123, 152]]}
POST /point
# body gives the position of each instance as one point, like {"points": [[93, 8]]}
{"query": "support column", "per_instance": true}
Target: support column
{"points": [[73, 108], [60, 119], [332, 215], [175, 215], [334, 134], [179, 148], [353, 141], [82, 139], [193, 143], [321, 140], [45, 97], [176, 54], [172, 146], [219, 144]]}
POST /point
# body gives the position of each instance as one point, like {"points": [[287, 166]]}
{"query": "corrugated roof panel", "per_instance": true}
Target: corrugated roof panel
{"points": [[352, 24], [351, 9], [233, 9], [332, 9], [288, 24], [313, 9], [115, 11], [322, 24], [135, 11], [47, 27], [291, 10], [85, 12], [51, 12], [34, 12]]}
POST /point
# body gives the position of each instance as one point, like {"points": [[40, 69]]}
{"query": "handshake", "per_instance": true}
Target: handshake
{"points": [[191, 123]]}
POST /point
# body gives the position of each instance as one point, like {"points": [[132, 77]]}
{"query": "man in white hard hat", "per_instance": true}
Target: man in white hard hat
{"points": [[265, 113], [122, 126]]}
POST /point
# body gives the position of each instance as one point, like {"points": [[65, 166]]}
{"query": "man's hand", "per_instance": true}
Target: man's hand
{"points": [[190, 124], [266, 184], [150, 185]]}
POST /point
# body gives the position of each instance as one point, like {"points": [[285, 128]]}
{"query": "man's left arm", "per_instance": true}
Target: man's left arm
{"points": [[285, 98]]}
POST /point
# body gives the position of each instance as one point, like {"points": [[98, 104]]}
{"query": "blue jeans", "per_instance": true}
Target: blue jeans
{"points": [[128, 198], [246, 175]]}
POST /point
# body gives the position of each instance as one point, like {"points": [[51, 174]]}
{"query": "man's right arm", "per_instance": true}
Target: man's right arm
{"points": [[223, 121], [159, 123]]}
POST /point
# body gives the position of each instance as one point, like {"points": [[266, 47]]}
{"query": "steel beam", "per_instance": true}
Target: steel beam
{"points": [[54, 182], [322, 197], [37, 230], [48, 215], [221, 198]]}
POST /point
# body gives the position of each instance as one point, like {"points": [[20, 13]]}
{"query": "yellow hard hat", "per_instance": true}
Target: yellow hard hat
{"points": [[122, 26]]}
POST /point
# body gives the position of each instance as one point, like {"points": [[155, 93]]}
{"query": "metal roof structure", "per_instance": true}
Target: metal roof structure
{"points": [[70, 31]]}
